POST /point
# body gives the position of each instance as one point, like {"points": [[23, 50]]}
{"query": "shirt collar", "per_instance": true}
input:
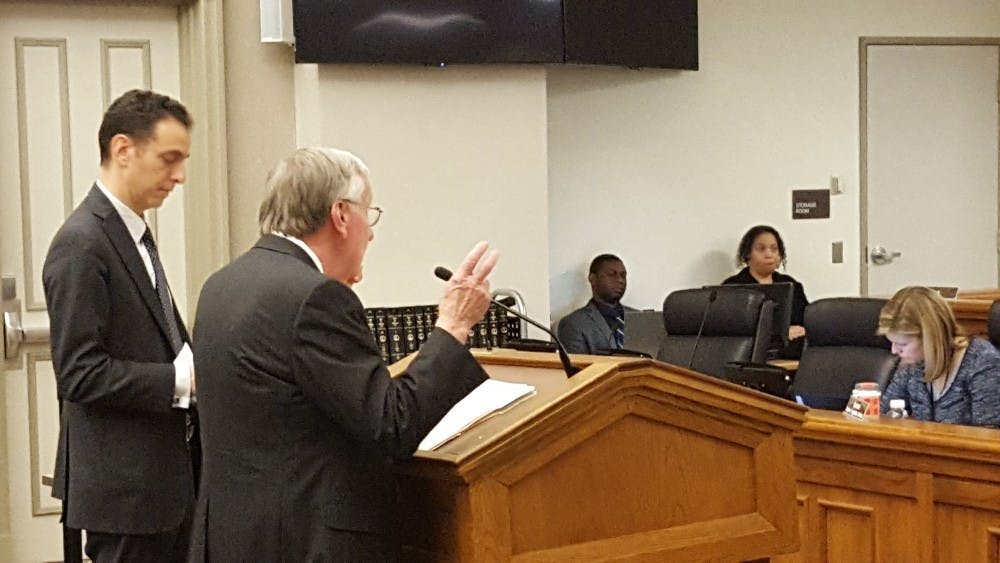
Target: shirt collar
{"points": [[610, 311], [135, 224], [305, 247]]}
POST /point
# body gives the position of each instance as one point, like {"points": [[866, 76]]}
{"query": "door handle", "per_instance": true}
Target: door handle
{"points": [[10, 306], [881, 256], [13, 332]]}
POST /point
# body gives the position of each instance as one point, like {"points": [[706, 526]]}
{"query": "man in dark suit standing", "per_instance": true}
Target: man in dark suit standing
{"points": [[300, 418], [599, 326], [124, 370]]}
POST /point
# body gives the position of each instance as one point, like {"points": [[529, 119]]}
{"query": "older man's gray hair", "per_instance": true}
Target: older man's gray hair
{"points": [[303, 187]]}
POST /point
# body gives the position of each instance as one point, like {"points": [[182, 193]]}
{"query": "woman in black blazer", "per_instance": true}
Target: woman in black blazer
{"points": [[760, 253]]}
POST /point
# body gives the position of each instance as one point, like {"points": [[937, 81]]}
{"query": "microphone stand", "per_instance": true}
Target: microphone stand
{"points": [[568, 367], [445, 274], [701, 327]]}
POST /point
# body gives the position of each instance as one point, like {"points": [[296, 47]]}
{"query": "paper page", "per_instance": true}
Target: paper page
{"points": [[491, 396]]}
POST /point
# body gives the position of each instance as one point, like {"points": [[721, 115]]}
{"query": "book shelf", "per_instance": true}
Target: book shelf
{"points": [[400, 331]]}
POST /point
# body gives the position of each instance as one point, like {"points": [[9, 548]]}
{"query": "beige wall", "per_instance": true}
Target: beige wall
{"points": [[554, 165], [260, 114], [457, 155], [670, 168]]}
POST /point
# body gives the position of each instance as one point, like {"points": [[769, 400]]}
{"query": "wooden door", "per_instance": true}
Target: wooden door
{"points": [[930, 142], [60, 66]]}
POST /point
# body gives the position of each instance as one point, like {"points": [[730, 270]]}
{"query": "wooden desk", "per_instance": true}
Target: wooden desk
{"points": [[896, 490], [790, 365], [989, 294], [972, 310], [972, 314]]}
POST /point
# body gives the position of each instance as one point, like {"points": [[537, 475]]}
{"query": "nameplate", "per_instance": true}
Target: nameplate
{"points": [[863, 407], [856, 408]]}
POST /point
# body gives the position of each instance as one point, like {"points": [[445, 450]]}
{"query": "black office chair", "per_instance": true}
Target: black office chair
{"points": [[842, 349], [993, 328], [737, 328]]}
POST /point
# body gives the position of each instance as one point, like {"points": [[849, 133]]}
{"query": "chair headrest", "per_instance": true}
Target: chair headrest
{"points": [[845, 321], [734, 312], [994, 323]]}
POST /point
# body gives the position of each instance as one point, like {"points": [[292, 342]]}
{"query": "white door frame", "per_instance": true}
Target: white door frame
{"points": [[863, 44]]}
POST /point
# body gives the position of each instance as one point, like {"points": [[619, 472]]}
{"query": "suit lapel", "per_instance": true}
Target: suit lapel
{"points": [[602, 325], [121, 240]]}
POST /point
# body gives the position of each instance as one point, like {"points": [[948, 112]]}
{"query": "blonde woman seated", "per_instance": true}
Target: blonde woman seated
{"points": [[943, 376]]}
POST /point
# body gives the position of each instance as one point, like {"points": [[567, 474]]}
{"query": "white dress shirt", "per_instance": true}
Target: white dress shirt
{"points": [[298, 242], [184, 362]]}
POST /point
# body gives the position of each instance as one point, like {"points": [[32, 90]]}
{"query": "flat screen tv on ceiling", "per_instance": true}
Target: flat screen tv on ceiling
{"points": [[429, 32], [632, 33]]}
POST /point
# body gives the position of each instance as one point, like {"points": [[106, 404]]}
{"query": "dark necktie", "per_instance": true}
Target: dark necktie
{"points": [[619, 332], [191, 433], [163, 291]]}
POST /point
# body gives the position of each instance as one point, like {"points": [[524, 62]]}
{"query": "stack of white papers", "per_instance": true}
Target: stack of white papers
{"points": [[491, 397]]}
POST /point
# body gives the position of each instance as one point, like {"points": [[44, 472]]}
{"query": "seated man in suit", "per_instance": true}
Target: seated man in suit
{"points": [[599, 325]]}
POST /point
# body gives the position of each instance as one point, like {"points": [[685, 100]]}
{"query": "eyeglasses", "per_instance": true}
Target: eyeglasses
{"points": [[374, 213]]}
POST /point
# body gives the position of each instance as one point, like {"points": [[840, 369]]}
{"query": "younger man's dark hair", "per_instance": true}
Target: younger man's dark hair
{"points": [[600, 260], [135, 113]]}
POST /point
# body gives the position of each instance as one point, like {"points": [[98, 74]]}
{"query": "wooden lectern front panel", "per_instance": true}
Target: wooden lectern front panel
{"points": [[633, 475], [628, 460]]}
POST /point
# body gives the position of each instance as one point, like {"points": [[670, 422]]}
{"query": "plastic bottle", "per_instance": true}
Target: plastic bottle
{"points": [[897, 408]]}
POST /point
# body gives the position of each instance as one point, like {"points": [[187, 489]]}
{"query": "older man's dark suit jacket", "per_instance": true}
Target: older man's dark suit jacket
{"points": [[122, 463], [300, 418]]}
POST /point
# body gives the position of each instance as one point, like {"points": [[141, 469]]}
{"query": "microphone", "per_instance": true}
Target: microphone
{"points": [[704, 315], [445, 274]]}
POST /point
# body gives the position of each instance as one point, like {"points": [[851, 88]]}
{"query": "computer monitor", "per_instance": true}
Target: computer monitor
{"points": [[644, 331], [824, 402], [781, 294], [766, 378]]}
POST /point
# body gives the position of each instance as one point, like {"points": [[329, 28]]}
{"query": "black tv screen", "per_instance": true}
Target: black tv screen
{"points": [[428, 31], [632, 33]]}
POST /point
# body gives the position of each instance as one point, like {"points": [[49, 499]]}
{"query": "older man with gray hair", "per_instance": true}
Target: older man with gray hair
{"points": [[300, 418]]}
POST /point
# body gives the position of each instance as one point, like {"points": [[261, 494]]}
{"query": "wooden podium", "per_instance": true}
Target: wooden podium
{"points": [[628, 460]]}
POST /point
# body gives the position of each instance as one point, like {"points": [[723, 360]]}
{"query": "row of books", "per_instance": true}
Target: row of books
{"points": [[400, 331]]}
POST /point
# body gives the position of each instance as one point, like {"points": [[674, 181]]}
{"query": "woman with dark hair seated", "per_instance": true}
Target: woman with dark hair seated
{"points": [[760, 253], [943, 376]]}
